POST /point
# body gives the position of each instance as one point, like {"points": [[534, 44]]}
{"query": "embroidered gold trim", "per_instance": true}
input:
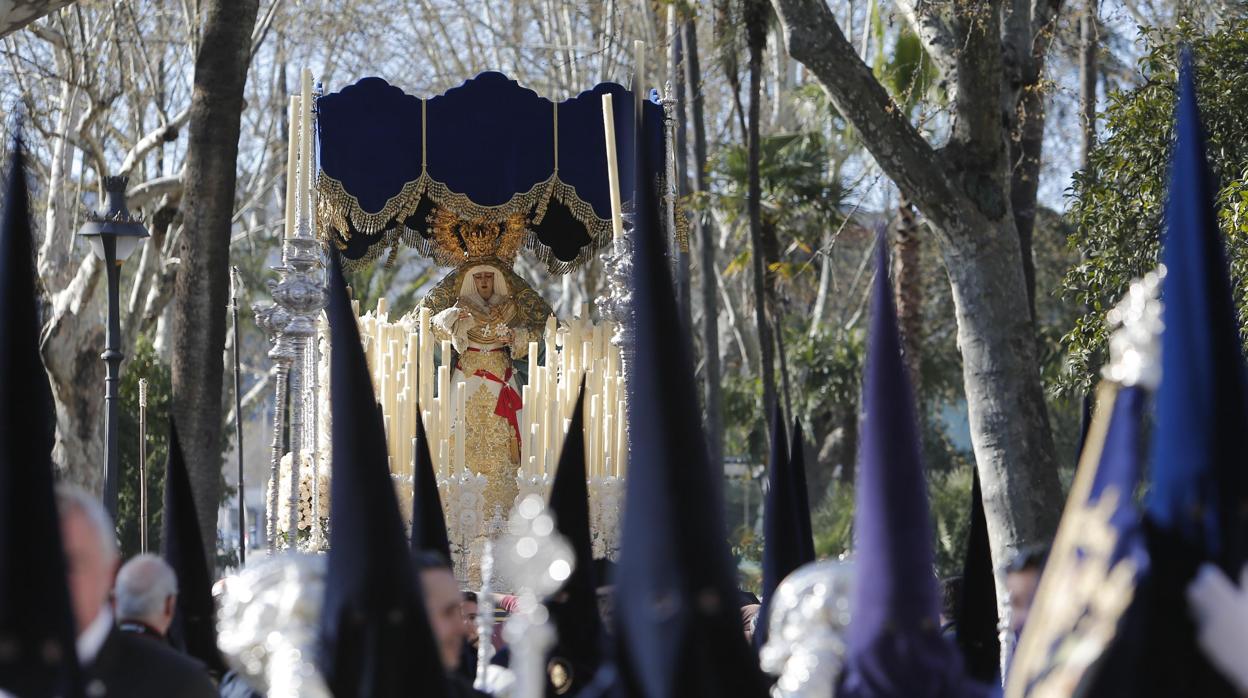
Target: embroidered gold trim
{"points": [[338, 212]]}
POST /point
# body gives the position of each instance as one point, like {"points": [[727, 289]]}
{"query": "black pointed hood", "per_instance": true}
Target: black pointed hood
{"points": [[376, 640], [36, 622], [194, 627], [428, 521], [976, 619], [575, 609], [678, 626]]}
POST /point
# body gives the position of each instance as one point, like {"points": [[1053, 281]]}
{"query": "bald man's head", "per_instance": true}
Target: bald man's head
{"points": [[147, 592], [90, 551]]}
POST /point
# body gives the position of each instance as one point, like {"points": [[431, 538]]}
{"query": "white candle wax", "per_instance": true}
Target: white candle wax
{"points": [[461, 392], [306, 167], [292, 166]]}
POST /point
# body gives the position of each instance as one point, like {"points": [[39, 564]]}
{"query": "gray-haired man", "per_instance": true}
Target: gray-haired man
{"points": [[115, 663], [146, 595]]}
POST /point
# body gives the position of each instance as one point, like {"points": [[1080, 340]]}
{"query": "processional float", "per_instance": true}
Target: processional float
{"points": [[471, 178]]}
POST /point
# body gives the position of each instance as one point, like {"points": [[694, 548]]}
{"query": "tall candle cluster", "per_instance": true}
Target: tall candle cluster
{"points": [[581, 349], [411, 367]]}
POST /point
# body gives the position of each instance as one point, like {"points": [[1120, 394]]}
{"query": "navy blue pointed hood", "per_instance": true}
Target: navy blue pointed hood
{"points": [[1200, 484], [678, 626], [1195, 508], [895, 648], [375, 637], [36, 621], [428, 520], [194, 627], [786, 520]]}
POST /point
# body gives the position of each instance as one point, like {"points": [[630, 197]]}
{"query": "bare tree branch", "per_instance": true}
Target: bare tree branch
{"points": [[155, 137], [813, 37], [152, 189]]}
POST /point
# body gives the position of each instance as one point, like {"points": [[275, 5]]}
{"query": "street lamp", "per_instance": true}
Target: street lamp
{"points": [[114, 234]]}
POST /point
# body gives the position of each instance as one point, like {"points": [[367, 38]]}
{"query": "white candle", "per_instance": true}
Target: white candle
{"points": [[306, 166], [525, 442], [613, 170], [461, 417], [593, 425], [292, 166], [621, 446], [429, 435], [535, 436], [608, 447]]}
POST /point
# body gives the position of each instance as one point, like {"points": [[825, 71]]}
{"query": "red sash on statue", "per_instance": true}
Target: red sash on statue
{"points": [[509, 401]]}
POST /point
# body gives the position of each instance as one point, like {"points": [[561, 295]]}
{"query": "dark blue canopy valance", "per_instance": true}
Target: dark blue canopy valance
{"points": [[488, 151]]}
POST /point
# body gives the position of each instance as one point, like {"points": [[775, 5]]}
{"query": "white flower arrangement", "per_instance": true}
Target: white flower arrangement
{"points": [[306, 518]]}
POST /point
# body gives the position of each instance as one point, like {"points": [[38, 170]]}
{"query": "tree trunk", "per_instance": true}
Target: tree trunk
{"points": [[1025, 150], [73, 337], [680, 248], [1089, 41], [704, 232], [202, 282], [908, 287], [756, 30], [964, 193], [1005, 401]]}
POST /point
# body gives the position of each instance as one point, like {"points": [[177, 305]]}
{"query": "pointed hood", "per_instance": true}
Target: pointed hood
{"points": [[194, 627], [428, 521], [576, 616], [1199, 481], [1194, 509], [895, 649], [892, 523], [375, 635], [786, 538], [36, 623], [678, 626], [797, 466], [975, 619]]}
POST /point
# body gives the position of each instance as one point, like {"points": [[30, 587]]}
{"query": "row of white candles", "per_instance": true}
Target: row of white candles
{"points": [[407, 376]]}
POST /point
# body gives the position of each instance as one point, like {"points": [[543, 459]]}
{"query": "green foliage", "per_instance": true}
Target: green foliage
{"points": [[801, 189], [833, 523], [827, 371], [1117, 201], [144, 364], [949, 495], [379, 279], [909, 73]]}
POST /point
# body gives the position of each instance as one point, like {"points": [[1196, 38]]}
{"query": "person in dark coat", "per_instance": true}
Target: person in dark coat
{"points": [[146, 595], [114, 663]]}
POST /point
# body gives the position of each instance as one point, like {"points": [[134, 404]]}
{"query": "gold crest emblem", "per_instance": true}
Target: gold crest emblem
{"points": [[560, 672]]}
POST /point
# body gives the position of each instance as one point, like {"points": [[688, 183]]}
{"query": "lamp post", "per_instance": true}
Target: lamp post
{"points": [[114, 234]]}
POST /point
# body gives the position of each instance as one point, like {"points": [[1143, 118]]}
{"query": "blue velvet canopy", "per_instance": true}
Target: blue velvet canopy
{"points": [[490, 152]]}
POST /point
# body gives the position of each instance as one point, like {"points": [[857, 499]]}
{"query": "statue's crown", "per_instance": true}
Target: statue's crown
{"points": [[460, 240], [481, 238]]}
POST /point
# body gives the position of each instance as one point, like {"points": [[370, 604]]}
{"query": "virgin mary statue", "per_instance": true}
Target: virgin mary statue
{"points": [[489, 314]]}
